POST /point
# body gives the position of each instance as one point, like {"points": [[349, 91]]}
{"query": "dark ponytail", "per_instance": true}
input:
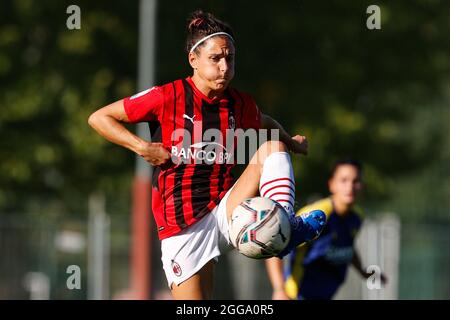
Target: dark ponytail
{"points": [[201, 24]]}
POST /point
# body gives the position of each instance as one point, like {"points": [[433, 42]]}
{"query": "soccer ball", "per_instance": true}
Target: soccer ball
{"points": [[259, 228]]}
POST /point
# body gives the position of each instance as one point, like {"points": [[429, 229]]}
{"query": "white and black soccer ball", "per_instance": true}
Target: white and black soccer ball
{"points": [[259, 228]]}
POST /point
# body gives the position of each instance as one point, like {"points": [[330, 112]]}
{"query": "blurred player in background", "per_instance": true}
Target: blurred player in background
{"points": [[193, 198], [317, 270]]}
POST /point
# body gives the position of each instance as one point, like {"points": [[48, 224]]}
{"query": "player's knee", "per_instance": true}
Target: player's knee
{"points": [[272, 146], [266, 149]]}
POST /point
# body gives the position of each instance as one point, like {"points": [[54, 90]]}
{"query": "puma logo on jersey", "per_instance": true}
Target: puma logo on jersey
{"points": [[185, 116]]}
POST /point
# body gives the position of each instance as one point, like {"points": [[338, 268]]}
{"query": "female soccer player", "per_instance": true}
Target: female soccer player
{"points": [[193, 192], [316, 270]]}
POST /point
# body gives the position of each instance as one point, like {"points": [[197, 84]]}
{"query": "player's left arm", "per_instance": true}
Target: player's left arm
{"points": [[296, 144], [356, 262]]}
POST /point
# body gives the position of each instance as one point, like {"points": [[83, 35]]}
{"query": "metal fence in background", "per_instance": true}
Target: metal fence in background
{"points": [[419, 271], [35, 255], [425, 263], [379, 246]]}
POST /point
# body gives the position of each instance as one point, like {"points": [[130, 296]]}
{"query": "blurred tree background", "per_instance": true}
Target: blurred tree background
{"points": [[381, 96]]}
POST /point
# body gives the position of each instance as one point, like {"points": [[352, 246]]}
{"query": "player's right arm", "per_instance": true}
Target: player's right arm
{"points": [[108, 120], [275, 272]]}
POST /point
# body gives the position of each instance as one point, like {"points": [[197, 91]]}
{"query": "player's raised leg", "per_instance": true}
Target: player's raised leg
{"points": [[255, 175], [270, 175], [197, 287]]}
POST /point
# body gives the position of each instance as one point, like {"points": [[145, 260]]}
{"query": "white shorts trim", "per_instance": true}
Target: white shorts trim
{"points": [[185, 253]]}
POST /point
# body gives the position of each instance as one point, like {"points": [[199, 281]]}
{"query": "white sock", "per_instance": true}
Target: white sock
{"points": [[277, 180]]}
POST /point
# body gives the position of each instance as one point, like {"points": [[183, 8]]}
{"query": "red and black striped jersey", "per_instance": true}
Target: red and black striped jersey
{"points": [[187, 123]]}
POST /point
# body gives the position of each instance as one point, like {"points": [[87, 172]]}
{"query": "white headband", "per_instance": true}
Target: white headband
{"points": [[210, 36]]}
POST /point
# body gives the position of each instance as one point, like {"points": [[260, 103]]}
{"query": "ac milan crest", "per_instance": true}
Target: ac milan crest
{"points": [[176, 269]]}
